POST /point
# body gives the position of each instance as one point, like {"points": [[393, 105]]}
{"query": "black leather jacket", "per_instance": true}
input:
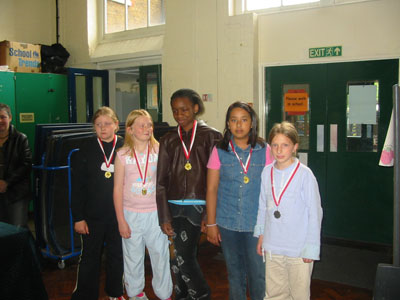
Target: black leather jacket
{"points": [[173, 181], [17, 166]]}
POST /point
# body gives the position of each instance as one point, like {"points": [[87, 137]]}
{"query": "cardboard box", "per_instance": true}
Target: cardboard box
{"points": [[20, 57]]}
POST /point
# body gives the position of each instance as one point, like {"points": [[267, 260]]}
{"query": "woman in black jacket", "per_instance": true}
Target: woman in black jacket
{"points": [[15, 168]]}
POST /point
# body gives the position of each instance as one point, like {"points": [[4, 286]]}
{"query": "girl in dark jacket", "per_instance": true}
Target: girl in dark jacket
{"points": [[181, 190]]}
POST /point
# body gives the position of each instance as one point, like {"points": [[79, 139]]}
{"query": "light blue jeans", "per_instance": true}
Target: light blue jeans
{"points": [[145, 232], [243, 264]]}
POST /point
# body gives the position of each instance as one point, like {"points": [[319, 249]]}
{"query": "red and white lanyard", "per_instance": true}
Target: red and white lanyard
{"points": [[146, 166], [185, 151], [109, 160], [285, 185], [245, 167]]}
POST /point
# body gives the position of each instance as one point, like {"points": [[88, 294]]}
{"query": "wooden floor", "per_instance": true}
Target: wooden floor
{"points": [[60, 283]]}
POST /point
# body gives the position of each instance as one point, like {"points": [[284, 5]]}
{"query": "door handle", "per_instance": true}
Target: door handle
{"points": [[320, 138], [333, 138]]}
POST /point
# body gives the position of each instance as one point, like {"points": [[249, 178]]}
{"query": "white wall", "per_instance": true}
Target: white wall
{"points": [[77, 19], [366, 30], [208, 51], [28, 21]]}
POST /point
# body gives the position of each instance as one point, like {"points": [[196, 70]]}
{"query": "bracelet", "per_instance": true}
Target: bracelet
{"points": [[211, 225]]}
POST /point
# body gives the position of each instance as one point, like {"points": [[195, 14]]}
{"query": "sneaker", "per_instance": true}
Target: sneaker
{"points": [[142, 297], [117, 298]]}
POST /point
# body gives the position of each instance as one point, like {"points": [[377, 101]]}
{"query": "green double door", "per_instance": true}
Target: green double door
{"points": [[342, 112]]}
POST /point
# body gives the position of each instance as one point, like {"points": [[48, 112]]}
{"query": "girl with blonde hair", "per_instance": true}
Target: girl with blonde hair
{"points": [[136, 208]]}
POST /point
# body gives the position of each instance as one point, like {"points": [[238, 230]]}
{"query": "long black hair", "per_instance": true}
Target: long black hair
{"points": [[193, 97], [253, 134]]}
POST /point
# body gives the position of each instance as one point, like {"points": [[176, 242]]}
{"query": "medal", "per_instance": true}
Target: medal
{"points": [[277, 214], [108, 161], [188, 165], [144, 190], [245, 167]]}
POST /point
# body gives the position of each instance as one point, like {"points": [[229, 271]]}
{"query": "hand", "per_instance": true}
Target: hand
{"points": [[259, 245], [124, 229], [167, 229], [213, 235], [81, 227], [307, 260], [3, 186], [203, 226]]}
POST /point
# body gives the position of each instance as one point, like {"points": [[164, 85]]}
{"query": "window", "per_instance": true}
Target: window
{"points": [[122, 15], [362, 116], [296, 110], [265, 4]]}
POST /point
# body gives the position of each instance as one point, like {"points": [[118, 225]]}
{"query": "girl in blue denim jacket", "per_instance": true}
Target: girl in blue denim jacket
{"points": [[233, 188]]}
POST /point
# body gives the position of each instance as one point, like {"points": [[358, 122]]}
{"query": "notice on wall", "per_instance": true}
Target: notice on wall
{"points": [[362, 104], [296, 102], [27, 117]]}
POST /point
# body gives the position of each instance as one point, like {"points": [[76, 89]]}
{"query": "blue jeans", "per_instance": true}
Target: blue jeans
{"points": [[243, 264]]}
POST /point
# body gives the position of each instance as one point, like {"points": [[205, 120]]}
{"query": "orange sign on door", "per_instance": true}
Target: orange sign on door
{"points": [[296, 102]]}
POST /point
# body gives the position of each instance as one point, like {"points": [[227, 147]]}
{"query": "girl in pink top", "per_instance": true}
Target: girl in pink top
{"points": [[136, 209]]}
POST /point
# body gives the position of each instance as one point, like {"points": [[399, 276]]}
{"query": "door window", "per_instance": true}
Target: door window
{"points": [[296, 110], [87, 91], [80, 94], [362, 116]]}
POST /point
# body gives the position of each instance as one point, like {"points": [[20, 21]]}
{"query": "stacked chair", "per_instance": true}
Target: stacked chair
{"points": [[54, 154]]}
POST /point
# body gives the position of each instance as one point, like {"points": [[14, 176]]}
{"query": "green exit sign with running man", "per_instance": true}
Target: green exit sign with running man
{"points": [[325, 51]]}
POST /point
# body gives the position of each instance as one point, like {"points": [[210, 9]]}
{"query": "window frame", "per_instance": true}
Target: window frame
{"points": [[127, 33], [240, 6]]}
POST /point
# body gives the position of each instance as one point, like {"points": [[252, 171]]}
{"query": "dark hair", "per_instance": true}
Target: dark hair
{"points": [[192, 95], [6, 108], [253, 134]]}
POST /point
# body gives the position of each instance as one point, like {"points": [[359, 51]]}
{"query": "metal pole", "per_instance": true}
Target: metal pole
{"points": [[396, 177]]}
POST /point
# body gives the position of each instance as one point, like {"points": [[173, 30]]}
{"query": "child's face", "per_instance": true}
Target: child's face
{"points": [[239, 124], [142, 129], [283, 150], [105, 128], [184, 112]]}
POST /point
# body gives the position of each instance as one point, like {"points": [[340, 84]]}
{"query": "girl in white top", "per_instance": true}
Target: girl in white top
{"points": [[136, 209], [289, 219]]}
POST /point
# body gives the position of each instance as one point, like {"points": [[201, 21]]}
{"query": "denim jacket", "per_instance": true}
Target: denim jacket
{"points": [[237, 203]]}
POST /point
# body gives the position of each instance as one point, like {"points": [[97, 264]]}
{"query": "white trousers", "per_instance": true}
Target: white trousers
{"points": [[287, 278], [145, 232]]}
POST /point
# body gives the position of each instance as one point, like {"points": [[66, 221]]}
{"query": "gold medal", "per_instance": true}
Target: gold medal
{"points": [[144, 191], [107, 174], [246, 179], [188, 166]]}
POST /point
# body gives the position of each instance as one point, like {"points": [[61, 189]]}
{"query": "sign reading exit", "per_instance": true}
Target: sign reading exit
{"points": [[325, 51]]}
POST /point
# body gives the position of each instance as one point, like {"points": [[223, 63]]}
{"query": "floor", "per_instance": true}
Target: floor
{"points": [[334, 277]]}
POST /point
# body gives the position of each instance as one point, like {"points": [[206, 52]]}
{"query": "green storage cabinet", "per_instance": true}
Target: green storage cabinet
{"points": [[40, 98]]}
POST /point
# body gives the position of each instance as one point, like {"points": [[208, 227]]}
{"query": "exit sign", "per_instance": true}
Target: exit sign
{"points": [[325, 51]]}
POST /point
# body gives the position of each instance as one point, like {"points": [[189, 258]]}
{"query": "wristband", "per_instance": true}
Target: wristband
{"points": [[211, 225]]}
